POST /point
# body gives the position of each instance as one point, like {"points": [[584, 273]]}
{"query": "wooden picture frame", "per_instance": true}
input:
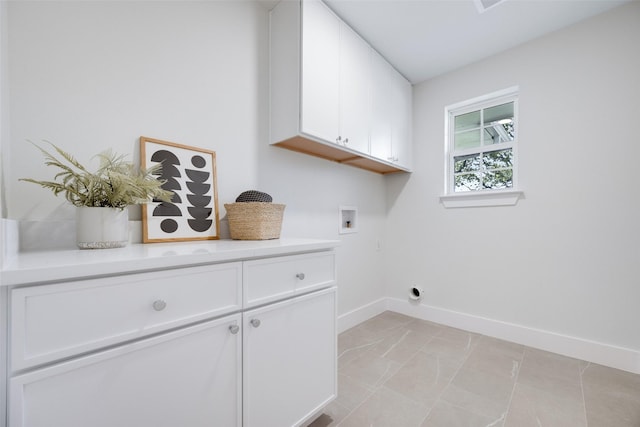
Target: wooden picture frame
{"points": [[190, 173]]}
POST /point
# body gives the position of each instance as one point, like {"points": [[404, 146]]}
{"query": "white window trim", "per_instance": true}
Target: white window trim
{"points": [[505, 197], [482, 198]]}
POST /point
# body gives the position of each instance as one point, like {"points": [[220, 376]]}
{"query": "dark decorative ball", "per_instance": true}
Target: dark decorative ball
{"points": [[254, 196], [198, 161]]}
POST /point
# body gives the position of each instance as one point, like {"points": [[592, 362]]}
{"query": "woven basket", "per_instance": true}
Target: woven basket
{"points": [[254, 220]]}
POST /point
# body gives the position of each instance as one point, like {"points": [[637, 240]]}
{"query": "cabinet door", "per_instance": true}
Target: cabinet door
{"points": [[401, 100], [320, 71], [355, 75], [289, 360], [190, 377], [381, 108]]}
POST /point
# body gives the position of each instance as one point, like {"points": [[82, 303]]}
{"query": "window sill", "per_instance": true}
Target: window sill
{"points": [[480, 199]]}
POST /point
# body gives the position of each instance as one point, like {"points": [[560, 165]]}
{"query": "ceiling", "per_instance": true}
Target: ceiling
{"points": [[425, 38]]}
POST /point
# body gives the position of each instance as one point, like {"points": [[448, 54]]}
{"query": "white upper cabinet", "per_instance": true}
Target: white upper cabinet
{"points": [[401, 121], [335, 80], [355, 81], [391, 110], [323, 85], [381, 108], [320, 95]]}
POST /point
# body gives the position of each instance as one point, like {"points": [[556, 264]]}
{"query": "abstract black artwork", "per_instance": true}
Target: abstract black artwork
{"points": [[190, 173]]}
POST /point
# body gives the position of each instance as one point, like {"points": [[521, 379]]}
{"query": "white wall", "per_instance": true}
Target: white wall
{"points": [[94, 75], [565, 259], [314, 189], [4, 122], [3, 138]]}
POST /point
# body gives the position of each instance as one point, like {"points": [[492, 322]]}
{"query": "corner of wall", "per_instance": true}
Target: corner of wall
{"points": [[354, 317]]}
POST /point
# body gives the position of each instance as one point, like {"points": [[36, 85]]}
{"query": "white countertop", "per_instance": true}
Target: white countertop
{"points": [[46, 266]]}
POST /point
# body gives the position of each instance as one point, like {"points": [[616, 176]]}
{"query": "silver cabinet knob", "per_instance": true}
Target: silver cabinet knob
{"points": [[300, 276], [159, 305], [346, 141], [255, 322], [234, 329], [338, 139]]}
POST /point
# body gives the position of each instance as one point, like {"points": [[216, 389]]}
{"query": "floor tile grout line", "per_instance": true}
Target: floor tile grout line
{"points": [[392, 347], [371, 393], [372, 390], [431, 338], [584, 400], [359, 347], [403, 365], [504, 414], [448, 384], [377, 387], [515, 384]]}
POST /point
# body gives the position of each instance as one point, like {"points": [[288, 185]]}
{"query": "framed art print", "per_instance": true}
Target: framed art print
{"points": [[191, 174]]}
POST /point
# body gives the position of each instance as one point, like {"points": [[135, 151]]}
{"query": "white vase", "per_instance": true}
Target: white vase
{"points": [[102, 228]]}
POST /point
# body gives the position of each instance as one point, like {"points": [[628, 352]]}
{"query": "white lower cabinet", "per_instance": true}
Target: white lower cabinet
{"points": [[177, 348], [289, 360], [190, 377]]}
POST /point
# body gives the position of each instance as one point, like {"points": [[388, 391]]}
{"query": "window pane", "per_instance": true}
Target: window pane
{"points": [[498, 113], [481, 144], [469, 163], [466, 182], [497, 133], [498, 159], [495, 180], [467, 139], [467, 121], [498, 124]]}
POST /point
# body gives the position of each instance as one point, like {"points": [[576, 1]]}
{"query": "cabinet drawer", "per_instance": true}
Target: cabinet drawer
{"points": [[273, 279], [50, 322]]}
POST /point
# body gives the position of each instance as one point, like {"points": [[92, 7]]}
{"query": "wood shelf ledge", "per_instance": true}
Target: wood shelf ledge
{"points": [[339, 154]]}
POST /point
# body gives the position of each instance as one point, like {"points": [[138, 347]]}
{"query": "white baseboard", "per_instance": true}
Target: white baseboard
{"points": [[579, 348], [361, 314]]}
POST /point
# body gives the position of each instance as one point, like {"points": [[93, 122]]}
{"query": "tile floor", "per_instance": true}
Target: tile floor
{"points": [[398, 371]]}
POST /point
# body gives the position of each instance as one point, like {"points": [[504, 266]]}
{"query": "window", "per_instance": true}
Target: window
{"points": [[482, 142]]}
